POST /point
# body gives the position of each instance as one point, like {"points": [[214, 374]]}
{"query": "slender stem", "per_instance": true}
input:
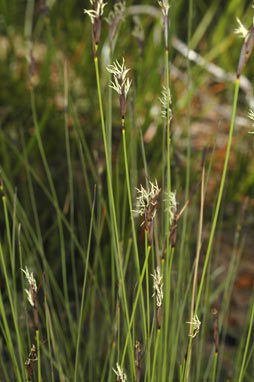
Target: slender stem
{"points": [[70, 180], [247, 344], [157, 341], [223, 178], [49, 339], [135, 302], [8, 231], [147, 288], [197, 260], [168, 267], [147, 249], [214, 366], [83, 295], [14, 316], [38, 355], [111, 201], [181, 262], [54, 197], [133, 224], [168, 128]]}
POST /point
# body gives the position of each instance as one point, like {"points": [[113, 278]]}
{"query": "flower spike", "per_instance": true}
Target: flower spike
{"points": [[121, 83]]}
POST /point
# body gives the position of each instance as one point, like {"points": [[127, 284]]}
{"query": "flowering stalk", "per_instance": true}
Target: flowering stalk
{"points": [[95, 15], [195, 324], [121, 85], [158, 293], [120, 374], [248, 36], [32, 294], [30, 362], [164, 8], [147, 206], [166, 102]]}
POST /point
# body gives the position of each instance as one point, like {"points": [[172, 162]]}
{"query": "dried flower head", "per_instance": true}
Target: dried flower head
{"points": [[121, 83], [241, 30], [195, 323], [31, 293], [120, 374], [157, 287], [97, 11], [164, 7], [251, 117]]}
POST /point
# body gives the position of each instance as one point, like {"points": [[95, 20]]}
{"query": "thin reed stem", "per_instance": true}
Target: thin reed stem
{"points": [[241, 374], [222, 184], [166, 323], [38, 354], [157, 342], [223, 178], [83, 293], [197, 260], [215, 358], [133, 225], [54, 196], [135, 303], [112, 203]]}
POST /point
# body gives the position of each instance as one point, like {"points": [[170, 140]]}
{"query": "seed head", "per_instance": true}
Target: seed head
{"points": [[95, 15], [146, 197], [157, 287], [121, 83], [97, 11], [31, 293], [30, 362], [166, 100], [164, 7], [241, 30], [120, 374], [251, 117], [147, 206], [195, 323], [171, 205]]}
